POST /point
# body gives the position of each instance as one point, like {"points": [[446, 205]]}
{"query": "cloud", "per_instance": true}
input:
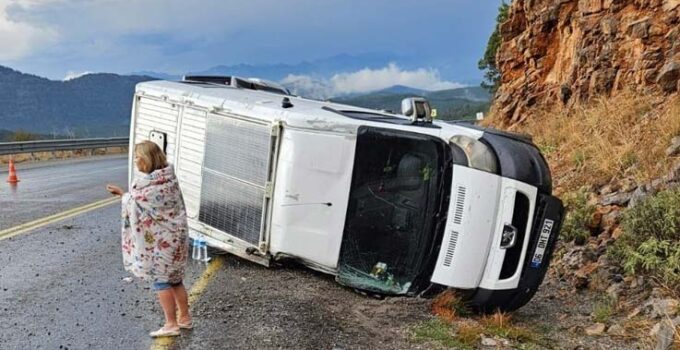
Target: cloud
{"points": [[73, 75], [19, 38], [307, 86], [367, 80], [51, 37]]}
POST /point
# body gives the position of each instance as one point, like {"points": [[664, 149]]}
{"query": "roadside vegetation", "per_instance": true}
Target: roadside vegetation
{"points": [[603, 143], [576, 224], [21, 135], [650, 240], [604, 309], [611, 146], [24, 135], [18, 136], [607, 140], [455, 326]]}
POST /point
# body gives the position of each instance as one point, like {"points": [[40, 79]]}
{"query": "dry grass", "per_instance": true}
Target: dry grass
{"points": [[608, 139], [676, 341], [638, 328], [500, 324], [498, 320], [469, 333], [451, 328], [449, 306]]}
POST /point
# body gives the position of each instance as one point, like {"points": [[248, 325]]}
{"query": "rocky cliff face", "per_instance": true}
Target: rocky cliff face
{"points": [[566, 51]]}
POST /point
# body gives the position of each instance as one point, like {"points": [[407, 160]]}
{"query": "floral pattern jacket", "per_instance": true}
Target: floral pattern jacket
{"points": [[155, 233]]}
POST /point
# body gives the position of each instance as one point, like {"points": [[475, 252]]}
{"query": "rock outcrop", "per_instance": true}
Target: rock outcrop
{"points": [[567, 51]]}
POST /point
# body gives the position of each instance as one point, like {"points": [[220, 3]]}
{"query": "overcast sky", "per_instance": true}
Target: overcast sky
{"points": [[55, 38]]}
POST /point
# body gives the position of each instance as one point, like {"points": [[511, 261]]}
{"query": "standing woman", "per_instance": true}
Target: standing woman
{"points": [[155, 235]]}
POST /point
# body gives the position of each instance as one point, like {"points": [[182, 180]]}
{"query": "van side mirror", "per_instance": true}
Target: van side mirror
{"points": [[417, 108]]}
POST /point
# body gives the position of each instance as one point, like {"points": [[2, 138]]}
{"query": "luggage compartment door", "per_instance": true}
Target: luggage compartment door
{"points": [[236, 184]]}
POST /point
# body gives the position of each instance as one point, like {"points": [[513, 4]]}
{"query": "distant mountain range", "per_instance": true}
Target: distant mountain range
{"points": [[99, 105], [462, 103], [87, 106], [325, 67]]}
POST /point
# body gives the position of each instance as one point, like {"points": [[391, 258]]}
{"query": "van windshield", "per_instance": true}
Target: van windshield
{"points": [[395, 209]]}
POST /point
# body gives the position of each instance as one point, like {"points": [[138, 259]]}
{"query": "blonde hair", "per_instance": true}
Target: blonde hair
{"points": [[153, 156]]}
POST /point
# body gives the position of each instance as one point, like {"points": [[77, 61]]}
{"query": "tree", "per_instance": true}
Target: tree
{"points": [[492, 78]]}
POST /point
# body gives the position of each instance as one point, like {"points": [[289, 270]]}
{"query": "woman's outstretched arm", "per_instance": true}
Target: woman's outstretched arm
{"points": [[115, 190]]}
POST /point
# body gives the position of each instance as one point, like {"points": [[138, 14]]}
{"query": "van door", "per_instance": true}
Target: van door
{"points": [[397, 206], [236, 183]]}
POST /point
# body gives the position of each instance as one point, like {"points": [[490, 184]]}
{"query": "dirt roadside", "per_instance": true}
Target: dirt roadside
{"points": [[247, 306]]}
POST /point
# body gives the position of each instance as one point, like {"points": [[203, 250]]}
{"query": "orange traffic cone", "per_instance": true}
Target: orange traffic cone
{"points": [[12, 178]]}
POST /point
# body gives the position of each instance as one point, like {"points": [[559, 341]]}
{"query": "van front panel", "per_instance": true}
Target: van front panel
{"points": [[470, 228]]}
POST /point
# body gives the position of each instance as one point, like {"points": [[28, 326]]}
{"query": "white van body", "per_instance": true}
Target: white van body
{"points": [[268, 180]]}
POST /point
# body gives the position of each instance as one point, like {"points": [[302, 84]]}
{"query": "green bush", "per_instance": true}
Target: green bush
{"points": [[604, 309], [650, 243], [579, 214]]}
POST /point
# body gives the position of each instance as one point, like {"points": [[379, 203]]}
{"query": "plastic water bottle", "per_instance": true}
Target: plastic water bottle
{"points": [[203, 248], [195, 250]]}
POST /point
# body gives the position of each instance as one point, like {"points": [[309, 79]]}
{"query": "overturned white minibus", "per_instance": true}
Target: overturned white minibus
{"points": [[388, 203]]}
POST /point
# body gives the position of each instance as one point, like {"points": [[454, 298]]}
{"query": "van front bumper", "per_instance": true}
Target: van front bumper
{"points": [[545, 230], [474, 255]]}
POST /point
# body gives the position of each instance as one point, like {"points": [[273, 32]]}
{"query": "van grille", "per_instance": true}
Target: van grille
{"points": [[520, 217], [453, 241], [460, 205]]}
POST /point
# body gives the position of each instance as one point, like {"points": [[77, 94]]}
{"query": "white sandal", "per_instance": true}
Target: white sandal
{"points": [[163, 332]]}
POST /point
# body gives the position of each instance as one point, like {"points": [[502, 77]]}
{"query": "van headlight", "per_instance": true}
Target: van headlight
{"points": [[478, 154]]}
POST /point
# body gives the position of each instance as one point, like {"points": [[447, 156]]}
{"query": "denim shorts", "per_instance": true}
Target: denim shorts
{"points": [[159, 286]]}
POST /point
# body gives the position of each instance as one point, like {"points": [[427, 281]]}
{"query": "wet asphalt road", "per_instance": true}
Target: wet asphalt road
{"points": [[53, 187], [62, 287]]}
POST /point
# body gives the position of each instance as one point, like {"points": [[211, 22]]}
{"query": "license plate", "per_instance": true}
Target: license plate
{"points": [[542, 243]]}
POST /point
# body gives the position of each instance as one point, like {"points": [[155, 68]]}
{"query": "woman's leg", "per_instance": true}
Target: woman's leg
{"points": [[166, 297], [182, 300]]}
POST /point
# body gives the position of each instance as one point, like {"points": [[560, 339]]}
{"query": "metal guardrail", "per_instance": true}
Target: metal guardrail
{"points": [[61, 145]]}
